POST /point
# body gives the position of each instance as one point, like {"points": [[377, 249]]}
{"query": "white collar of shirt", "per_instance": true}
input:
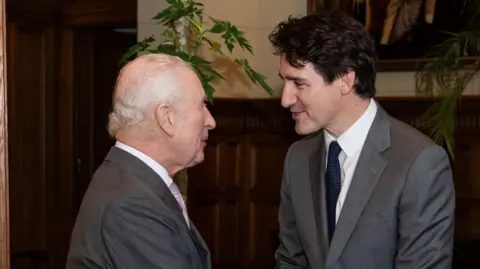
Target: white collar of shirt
{"points": [[160, 170], [353, 139]]}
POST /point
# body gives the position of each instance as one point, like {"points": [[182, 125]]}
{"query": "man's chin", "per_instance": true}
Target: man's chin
{"points": [[302, 129], [198, 160]]}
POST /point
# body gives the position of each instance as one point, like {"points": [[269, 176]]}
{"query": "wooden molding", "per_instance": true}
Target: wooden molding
{"points": [[101, 12], [4, 198], [33, 14], [311, 6], [76, 13]]}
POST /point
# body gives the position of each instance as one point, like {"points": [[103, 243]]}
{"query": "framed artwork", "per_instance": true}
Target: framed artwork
{"points": [[404, 30]]}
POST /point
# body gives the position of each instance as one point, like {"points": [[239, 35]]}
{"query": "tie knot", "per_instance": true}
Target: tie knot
{"points": [[334, 149], [174, 188]]}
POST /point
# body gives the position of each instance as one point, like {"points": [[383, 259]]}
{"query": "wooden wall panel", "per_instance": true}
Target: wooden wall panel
{"points": [[97, 61], [100, 12], [265, 156], [243, 169], [64, 190], [32, 80], [219, 199], [47, 142]]}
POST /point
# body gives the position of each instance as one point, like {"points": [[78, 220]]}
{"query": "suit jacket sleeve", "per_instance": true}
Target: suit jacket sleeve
{"points": [[290, 253], [426, 213], [138, 235]]}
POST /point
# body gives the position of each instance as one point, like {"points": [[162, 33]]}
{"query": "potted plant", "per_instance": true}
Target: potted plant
{"points": [[186, 32], [454, 64]]}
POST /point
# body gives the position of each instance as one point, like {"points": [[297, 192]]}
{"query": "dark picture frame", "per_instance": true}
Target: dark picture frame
{"points": [[402, 50]]}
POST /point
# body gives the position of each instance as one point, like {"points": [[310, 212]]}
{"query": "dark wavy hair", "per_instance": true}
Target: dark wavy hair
{"points": [[334, 43]]}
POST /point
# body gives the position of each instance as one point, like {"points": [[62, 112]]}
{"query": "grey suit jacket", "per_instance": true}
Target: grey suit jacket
{"points": [[398, 213], [130, 219]]}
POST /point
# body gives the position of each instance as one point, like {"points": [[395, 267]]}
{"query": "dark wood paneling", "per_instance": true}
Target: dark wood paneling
{"points": [[100, 12], [32, 147], [64, 188], [36, 14], [233, 195], [97, 63], [47, 70]]}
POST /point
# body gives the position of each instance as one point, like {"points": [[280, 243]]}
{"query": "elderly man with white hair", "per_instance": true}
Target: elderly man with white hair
{"points": [[133, 215]]}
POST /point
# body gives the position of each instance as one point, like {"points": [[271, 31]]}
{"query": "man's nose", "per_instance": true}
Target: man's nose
{"points": [[210, 121], [288, 97]]}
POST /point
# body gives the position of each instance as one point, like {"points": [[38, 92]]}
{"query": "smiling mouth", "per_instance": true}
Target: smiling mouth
{"points": [[296, 114]]}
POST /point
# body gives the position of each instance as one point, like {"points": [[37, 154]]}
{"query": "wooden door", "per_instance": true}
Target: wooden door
{"points": [[4, 220]]}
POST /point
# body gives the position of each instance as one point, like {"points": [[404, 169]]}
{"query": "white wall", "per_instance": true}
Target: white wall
{"points": [[257, 18]]}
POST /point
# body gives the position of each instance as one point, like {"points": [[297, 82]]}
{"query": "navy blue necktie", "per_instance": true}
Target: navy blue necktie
{"points": [[333, 184]]}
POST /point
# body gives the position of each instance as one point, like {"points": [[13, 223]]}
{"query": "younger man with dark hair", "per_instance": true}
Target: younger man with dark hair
{"points": [[364, 190]]}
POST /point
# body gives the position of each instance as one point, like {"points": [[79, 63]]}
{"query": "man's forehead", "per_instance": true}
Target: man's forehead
{"points": [[293, 73], [286, 69]]}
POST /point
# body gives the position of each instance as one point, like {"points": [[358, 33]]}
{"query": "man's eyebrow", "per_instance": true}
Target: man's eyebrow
{"points": [[293, 78]]}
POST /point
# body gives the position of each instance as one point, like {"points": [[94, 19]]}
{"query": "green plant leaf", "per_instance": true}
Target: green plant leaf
{"points": [[217, 28], [169, 49], [231, 35], [214, 46], [204, 66], [439, 119], [206, 79], [135, 49], [240, 39], [255, 77], [177, 10]]}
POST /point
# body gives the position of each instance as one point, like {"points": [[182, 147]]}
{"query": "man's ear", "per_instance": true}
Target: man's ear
{"points": [[165, 117], [348, 82]]}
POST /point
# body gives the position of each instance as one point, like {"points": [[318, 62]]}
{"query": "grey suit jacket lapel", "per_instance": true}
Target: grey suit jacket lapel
{"points": [[317, 188], [201, 245], [368, 170]]}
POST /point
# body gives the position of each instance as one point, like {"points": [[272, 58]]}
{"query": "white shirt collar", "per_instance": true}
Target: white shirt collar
{"points": [[160, 170], [352, 140]]}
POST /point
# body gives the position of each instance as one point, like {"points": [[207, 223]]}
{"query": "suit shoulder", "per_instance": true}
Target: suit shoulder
{"points": [[111, 186], [410, 144], [408, 135]]}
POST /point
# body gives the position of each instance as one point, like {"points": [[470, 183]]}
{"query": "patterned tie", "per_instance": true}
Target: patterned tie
{"points": [[178, 196], [333, 185]]}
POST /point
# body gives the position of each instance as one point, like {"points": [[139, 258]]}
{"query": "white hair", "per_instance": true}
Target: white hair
{"points": [[149, 79]]}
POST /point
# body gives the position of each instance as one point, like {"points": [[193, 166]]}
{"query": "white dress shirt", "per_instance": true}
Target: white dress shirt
{"points": [[160, 170], [351, 143]]}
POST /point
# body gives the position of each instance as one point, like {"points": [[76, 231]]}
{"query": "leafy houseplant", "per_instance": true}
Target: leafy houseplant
{"points": [[455, 62], [186, 32], [452, 64]]}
